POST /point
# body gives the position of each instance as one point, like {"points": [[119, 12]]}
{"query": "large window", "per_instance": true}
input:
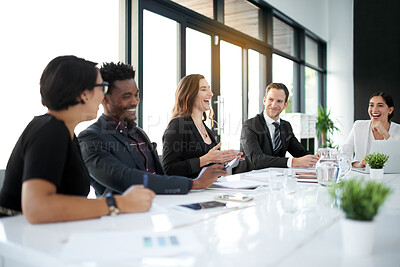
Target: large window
{"points": [[36, 32], [198, 53], [231, 43], [312, 73], [160, 73], [256, 83], [282, 72], [243, 16], [231, 94], [311, 97], [283, 68], [284, 37], [298, 62], [204, 7], [311, 51]]}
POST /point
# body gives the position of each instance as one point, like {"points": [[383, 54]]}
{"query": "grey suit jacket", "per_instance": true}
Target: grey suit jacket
{"points": [[114, 165], [256, 144]]}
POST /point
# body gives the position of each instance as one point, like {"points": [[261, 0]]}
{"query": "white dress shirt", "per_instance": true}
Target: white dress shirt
{"points": [[271, 129]]}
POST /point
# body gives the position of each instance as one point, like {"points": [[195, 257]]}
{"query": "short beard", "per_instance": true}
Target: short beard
{"points": [[128, 122]]}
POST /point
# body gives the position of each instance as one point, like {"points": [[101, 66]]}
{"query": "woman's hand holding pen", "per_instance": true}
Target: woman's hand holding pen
{"points": [[135, 199], [218, 156]]}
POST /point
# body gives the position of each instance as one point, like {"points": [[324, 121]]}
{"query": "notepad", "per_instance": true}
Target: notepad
{"points": [[238, 184]]}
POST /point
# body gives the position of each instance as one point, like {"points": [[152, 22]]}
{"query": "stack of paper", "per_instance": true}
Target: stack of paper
{"points": [[307, 177]]}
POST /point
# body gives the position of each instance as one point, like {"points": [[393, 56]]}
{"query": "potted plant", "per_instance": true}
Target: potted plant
{"points": [[360, 200], [324, 126], [376, 161]]}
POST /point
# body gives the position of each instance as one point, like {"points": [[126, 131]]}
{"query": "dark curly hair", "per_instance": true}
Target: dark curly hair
{"points": [[64, 79], [111, 72]]}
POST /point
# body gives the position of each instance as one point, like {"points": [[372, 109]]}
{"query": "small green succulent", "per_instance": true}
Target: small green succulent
{"points": [[376, 160]]}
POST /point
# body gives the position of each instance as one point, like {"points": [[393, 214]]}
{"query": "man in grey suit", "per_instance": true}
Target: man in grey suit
{"points": [[266, 138], [119, 154]]}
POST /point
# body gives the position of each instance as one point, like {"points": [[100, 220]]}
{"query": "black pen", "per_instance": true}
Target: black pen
{"points": [[145, 180]]}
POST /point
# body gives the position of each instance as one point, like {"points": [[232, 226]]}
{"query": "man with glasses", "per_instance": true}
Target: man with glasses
{"points": [[119, 154], [266, 138]]}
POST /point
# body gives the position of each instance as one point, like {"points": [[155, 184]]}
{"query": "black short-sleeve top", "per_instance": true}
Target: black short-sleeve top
{"points": [[46, 151]]}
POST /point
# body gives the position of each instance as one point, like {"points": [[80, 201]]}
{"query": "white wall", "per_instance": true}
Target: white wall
{"points": [[33, 33], [340, 82], [332, 20], [311, 14]]}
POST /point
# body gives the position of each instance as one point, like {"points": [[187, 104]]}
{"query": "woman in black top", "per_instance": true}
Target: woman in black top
{"points": [[188, 144], [46, 178]]}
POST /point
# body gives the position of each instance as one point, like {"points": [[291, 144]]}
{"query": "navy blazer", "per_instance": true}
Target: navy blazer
{"points": [[257, 146], [114, 165]]}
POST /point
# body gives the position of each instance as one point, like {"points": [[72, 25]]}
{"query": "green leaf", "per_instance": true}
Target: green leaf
{"points": [[325, 125], [376, 160], [360, 199]]}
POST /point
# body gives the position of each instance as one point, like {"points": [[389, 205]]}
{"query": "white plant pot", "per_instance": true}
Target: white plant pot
{"points": [[376, 173], [358, 237]]}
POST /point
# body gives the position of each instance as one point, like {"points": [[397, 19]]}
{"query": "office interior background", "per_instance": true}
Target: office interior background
{"points": [[333, 53]]}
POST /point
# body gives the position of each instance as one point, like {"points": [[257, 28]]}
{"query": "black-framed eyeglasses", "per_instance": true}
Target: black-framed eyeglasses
{"points": [[104, 86]]}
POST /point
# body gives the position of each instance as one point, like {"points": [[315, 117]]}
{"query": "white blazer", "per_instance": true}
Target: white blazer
{"points": [[361, 136]]}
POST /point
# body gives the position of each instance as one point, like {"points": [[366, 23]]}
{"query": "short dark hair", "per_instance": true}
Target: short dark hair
{"points": [[279, 86], [111, 72], [64, 79], [388, 100]]}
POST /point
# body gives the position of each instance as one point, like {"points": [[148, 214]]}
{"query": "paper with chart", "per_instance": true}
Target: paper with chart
{"points": [[118, 245]]}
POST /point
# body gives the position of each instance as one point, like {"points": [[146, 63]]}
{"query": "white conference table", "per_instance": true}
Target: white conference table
{"points": [[293, 226]]}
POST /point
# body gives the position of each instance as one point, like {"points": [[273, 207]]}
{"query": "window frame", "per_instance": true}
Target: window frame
{"points": [[216, 28], [300, 63]]}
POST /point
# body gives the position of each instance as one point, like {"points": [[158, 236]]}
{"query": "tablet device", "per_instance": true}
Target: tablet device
{"points": [[203, 205]]}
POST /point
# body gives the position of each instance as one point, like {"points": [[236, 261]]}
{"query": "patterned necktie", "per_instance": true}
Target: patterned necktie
{"points": [[277, 138]]}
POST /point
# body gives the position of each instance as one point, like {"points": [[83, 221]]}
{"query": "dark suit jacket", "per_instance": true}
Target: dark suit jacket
{"points": [[183, 146], [114, 165], [256, 144]]}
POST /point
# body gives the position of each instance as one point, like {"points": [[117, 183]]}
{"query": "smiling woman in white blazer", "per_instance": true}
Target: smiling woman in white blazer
{"points": [[379, 127]]}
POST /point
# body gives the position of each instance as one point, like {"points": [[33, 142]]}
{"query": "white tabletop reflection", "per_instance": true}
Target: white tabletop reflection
{"points": [[286, 224]]}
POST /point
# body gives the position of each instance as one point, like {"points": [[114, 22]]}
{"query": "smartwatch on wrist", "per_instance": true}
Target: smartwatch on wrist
{"points": [[112, 205]]}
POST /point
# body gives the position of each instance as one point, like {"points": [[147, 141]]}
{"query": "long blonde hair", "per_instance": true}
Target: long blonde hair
{"points": [[185, 95]]}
